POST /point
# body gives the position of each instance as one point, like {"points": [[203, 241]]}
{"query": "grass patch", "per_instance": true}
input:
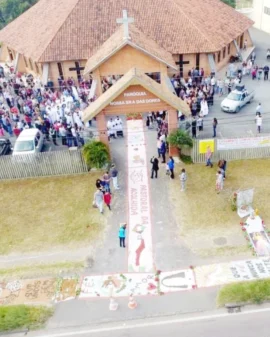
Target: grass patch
{"points": [[48, 212], [205, 216], [247, 292], [22, 316], [40, 271]]}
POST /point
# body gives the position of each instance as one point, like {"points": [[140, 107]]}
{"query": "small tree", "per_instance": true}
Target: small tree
{"points": [[180, 139], [96, 154]]}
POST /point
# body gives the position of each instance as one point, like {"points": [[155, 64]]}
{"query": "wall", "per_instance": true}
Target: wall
{"points": [[66, 65], [128, 58], [261, 19]]}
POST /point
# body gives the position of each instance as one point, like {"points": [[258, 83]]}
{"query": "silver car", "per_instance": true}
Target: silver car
{"points": [[236, 100]]}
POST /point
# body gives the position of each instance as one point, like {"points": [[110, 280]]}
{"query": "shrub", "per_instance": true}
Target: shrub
{"points": [[96, 154], [180, 139]]}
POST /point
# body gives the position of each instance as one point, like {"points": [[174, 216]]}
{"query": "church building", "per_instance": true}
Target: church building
{"points": [[75, 38]]}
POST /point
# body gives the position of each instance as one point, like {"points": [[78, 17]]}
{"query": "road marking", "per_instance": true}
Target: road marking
{"points": [[158, 323]]}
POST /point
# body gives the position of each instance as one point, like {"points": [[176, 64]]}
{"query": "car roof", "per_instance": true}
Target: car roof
{"points": [[28, 134]]}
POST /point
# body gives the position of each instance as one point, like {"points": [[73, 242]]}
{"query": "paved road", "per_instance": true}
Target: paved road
{"points": [[243, 123], [245, 324]]}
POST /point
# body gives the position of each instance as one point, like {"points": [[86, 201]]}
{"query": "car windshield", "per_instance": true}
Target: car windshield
{"points": [[24, 146], [234, 97]]}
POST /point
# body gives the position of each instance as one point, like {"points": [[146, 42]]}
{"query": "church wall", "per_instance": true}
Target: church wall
{"points": [[66, 65], [128, 58]]}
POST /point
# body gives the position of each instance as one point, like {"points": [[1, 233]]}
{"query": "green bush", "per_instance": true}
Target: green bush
{"points": [[186, 159], [246, 292], [96, 154], [22, 316]]}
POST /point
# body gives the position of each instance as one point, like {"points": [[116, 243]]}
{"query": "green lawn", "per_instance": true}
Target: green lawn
{"points": [[205, 215], [246, 292], [22, 316], [39, 214]]}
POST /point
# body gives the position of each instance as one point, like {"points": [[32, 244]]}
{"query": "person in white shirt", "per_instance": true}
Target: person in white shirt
{"points": [[259, 122], [183, 179], [259, 109]]}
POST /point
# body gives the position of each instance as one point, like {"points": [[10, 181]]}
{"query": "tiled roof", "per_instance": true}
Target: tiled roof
{"points": [[135, 77], [137, 40], [58, 30]]}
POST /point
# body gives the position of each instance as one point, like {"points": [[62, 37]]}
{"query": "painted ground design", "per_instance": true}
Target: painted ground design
{"points": [[140, 250]]}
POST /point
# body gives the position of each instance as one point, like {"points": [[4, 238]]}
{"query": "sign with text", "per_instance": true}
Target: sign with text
{"points": [[242, 143], [136, 98]]}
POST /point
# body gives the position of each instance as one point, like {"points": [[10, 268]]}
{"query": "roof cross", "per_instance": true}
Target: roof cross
{"points": [[125, 21]]}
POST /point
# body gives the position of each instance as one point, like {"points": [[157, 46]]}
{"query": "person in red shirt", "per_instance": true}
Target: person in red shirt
{"points": [[16, 131], [107, 199]]}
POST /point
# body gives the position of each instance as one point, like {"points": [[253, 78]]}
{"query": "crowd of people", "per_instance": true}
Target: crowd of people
{"points": [[56, 110]]}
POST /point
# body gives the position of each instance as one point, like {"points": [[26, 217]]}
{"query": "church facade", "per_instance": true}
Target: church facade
{"points": [[68, 38]]}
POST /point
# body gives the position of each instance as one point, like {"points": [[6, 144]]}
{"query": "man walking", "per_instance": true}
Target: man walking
{"points": [[259, 109], [114, 175], [122, 235], [266, 72], [163, 151], [154, 161], [259, 122], [208, 157], [194, 127]]}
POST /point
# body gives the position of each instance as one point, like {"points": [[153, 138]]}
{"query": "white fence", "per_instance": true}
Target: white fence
{"points": [[42, 165], [259, 148]]}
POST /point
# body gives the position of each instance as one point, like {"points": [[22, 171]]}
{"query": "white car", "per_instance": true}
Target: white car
{"points": [[236, 100], [30, 141]]}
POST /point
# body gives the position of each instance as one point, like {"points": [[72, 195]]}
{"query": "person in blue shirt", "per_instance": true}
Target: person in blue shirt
{"points": [[163, 151], [171, 166], [122, 235]]}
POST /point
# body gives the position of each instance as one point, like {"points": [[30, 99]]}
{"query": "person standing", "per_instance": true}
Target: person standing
{"points": [[219, 181], [107, 179], [163, 151], [122, 235], [259, 109], [266, 72], [171, 166], [194, 127], [98, 200], [114, 175], [208, 157], [107, 199], [183, 179], [259, 122], [155, 167], [215, 123], [158, 147], [53, 135]]}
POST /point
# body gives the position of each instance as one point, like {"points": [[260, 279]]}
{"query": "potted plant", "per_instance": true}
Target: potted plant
{"points": [[180, 139]]}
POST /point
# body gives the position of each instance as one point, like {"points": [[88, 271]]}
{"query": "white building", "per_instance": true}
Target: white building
{"points": [[258, 11]]}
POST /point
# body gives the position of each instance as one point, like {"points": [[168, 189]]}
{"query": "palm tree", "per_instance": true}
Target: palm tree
{"points": [[96, 154], [180, 139]]}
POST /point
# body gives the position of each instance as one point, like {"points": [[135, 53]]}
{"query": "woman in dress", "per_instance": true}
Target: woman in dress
{"points": [[219, 181]]}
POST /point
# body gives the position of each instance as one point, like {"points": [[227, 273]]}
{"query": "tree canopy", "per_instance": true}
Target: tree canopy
{"points": [[11, 9], [231, 3]]}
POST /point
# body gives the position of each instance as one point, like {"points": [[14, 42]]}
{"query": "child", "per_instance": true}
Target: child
{"points": [[219, 181], [183, 179], [168, 173], [122, 235], [107, 199]]}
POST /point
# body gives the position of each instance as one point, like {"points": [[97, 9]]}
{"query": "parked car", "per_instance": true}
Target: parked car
{"points": [[5, 146], [30, 141], [237, 99]]}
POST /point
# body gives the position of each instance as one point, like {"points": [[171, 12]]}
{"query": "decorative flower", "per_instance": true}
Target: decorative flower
{"points": [[191, 267], [194, 286], [158, 272]]}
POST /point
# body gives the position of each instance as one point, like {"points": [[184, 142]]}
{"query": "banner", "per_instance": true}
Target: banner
{"points": [[203, 145], [242, 143]]}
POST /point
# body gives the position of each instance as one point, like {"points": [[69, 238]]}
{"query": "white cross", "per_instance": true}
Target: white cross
{"points": [[125, 21]]}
